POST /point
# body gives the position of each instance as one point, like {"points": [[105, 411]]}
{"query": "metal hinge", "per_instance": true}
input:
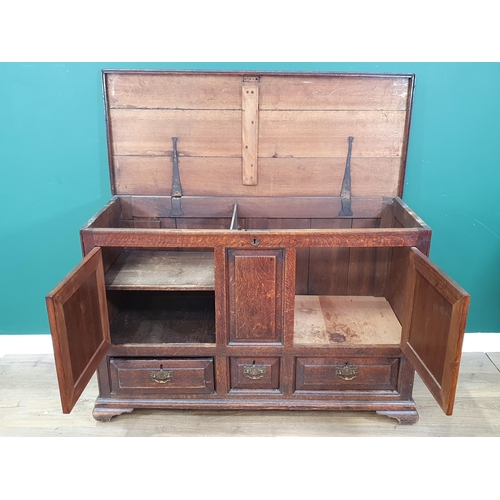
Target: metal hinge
{"points": [[176, 210]]}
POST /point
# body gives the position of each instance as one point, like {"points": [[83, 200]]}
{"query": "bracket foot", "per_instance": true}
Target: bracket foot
{"points": [[106, 414], [404, 417]]}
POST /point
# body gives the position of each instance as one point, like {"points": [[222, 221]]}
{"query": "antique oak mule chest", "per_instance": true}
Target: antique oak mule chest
{"points": [[256, 253]]}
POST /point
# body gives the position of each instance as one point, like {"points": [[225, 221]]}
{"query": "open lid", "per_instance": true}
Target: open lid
{"points": [[257, 134]]}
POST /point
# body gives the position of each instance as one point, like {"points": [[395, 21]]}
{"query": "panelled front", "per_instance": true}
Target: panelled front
{"points": [[255, 374], [255, 290], [340, 374], [161, 377]]}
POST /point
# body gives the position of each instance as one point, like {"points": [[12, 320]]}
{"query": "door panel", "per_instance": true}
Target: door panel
{"points": [[78, 317], [434, 329], [255, 295]]}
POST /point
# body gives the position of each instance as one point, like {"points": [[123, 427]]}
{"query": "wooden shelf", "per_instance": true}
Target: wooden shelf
{"points": [[162, 270], [343, 320]]}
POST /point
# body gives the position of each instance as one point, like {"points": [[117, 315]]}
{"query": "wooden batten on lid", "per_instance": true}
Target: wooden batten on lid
{"points": [[254, 135]]}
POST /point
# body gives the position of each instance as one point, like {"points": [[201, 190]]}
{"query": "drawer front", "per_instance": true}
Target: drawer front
{"points": [[161, 376], [340, 374], [255, 373]]}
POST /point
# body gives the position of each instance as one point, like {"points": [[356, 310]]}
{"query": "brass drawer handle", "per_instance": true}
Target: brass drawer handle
{"points": [[347, 372], [254, 372], [161, 376]]}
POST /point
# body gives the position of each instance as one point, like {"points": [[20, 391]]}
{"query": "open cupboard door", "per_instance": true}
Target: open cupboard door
{"points": [[78, 317], [434, 330]]}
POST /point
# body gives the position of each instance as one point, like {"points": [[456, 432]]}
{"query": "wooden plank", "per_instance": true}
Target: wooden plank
{"points": [[302, 254], [148, 238], [281, 133], [174, 91], [221, 91], [310, 324], [168, 222], [343, 320], [203, 223], [147, 222], [126, 205], [396, 290], [383, 259], [162, 270], [406, 216], [199, 132], [324, 133], [362, 263], [257, 207], [329, 267], [152, 175], [289, 290], [221, 313], [108, 216], [250, 134], [336, 92]]}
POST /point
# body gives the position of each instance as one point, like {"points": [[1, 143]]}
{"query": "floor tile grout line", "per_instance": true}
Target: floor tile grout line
{"points": [[488, 356]]}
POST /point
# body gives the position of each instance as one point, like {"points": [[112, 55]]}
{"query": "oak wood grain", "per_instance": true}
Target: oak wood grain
{"points": [[161, 270], [152, 175], [434, 328], [250, 134], [255, 289], [345, 320], [292, 118], [78, 318], [287, 91]]}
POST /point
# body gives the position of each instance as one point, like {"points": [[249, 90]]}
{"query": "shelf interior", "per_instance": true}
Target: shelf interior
{"points": [[162, 317], [161, 270], [344, 320]]}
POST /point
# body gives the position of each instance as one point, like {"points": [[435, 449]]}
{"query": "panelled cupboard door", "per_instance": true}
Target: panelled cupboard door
{"points": [[78, 317], [434, 332], [255, 289]]}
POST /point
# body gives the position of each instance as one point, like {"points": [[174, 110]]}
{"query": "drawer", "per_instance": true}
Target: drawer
{"points": [[137, 377], [255, 373], [341, 374]]}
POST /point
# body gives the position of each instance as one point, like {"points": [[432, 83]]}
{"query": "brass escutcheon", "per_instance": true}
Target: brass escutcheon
{"points": [[254, 372], [161, 376], [347, 372]]}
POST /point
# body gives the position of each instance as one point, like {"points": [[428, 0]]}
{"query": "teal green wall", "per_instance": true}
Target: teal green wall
{"points": [[54, 173]]}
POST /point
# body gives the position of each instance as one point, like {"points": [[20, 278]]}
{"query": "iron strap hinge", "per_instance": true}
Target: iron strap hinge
{"points": [[176, 210], [345, 193]]}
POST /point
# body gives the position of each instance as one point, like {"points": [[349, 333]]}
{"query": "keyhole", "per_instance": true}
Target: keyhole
{"points": [[255, 242]]}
